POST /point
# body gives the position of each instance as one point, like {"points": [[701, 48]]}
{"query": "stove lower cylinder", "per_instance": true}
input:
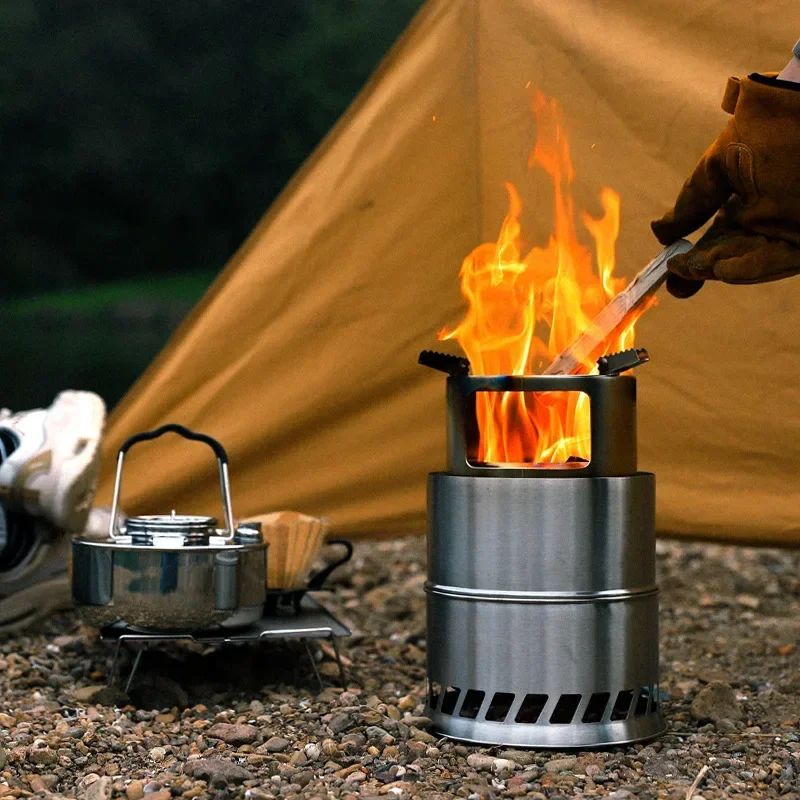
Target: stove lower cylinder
{"points": [[543, 610]]}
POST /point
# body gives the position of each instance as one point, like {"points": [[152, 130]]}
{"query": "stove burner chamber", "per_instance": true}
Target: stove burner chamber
{"points": [[542, 604]]}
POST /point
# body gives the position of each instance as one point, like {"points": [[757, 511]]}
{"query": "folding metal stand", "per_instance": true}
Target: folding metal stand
{"points": [[309, 621]]}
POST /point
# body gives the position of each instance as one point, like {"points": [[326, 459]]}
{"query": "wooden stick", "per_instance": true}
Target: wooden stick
{"points": [[617, 312], [697, 781]]}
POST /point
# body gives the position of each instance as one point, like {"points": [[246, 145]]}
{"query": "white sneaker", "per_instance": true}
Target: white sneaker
{"points": [[34, 570], [35, 575], [53, 472]]}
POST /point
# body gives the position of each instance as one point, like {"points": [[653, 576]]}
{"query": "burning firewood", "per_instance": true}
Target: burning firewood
{"points": [[616, 314]]}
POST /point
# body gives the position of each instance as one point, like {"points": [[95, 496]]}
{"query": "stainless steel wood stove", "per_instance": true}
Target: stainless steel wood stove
{"points": [[542, 597]]}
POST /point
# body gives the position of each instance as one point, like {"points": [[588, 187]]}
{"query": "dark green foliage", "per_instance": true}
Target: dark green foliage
{"points": [[143, 136]]}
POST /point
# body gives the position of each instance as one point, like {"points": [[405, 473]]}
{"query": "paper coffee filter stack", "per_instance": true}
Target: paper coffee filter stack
{"points": [[294, 541]]}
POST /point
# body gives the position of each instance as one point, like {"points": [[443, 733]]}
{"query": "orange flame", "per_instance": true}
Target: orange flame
{"points": [[524, 310]]}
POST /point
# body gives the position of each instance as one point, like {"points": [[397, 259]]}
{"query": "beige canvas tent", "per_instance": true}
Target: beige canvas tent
{"points": [[301, 358]]}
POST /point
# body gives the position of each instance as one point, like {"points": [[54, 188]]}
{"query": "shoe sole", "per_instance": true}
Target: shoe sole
{"points": [[79, 471], [23, 608]]}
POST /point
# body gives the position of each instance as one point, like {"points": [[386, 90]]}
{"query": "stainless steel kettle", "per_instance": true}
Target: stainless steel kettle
{"points": [[171, 572]]}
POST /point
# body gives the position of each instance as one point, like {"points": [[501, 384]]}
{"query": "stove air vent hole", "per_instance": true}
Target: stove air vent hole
{"points": [[565, 709], [642, 702], [473, 700], [434, 692], [531, 708], [499, 707], [626, 704], [596, 707], [622, 705], [450, 699]]}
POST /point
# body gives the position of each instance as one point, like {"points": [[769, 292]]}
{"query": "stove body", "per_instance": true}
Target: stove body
{"points": [[542, 599]]}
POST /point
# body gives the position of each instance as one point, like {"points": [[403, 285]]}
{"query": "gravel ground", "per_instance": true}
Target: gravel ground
{"points": [[251, 721]]}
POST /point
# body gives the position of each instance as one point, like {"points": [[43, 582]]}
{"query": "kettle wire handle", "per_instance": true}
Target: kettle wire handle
{"points": [[173, 427]]}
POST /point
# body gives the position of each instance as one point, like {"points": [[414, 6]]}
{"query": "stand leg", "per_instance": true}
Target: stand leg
{"points": [[342, 673], [112, 675], [133, 670], [313, 663]]}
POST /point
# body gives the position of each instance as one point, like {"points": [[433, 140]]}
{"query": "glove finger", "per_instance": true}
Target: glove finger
{"points": [[664, 232], [682, 288], [757, 260], [700, 262], [667, 232], [689, 270], [692, 266]]}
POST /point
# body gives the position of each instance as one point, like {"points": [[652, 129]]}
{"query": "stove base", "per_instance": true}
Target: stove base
{"points": [[545, 737], [543, 610]]}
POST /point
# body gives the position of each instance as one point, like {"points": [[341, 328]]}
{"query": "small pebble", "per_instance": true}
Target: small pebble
{"points": [[715, 702], [135, 790], [500, 766], [99, 789], [422, 736], [233, 734], [214, 769], [39, 753], [379, 735], [523, 757], [407, 703], [340, 723], [329, 747], [276, 744], [158, 754], [313, 751], [561, 764]]}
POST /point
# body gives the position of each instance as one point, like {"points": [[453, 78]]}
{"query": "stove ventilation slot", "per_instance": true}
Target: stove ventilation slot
{"points": [[643, 702], [596, 708], [450, 699], [567, 710], [473, 700], [622, 705], [434, 692], [501, 705], [531, 708]]}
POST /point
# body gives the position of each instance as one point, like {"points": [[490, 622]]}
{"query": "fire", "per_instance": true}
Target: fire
{"points": [[523, 310]]}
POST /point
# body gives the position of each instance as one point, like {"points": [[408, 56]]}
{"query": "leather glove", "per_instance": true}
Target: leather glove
{"points": [[751, 175]]}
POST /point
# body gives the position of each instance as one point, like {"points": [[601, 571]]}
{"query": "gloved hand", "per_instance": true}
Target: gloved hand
{"points": [[751, 175]]}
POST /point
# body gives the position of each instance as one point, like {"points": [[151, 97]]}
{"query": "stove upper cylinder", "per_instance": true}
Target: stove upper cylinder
{"points": [[612, 403]]}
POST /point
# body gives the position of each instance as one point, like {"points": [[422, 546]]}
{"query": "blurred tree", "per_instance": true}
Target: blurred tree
{"points": [[139, 138]]}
